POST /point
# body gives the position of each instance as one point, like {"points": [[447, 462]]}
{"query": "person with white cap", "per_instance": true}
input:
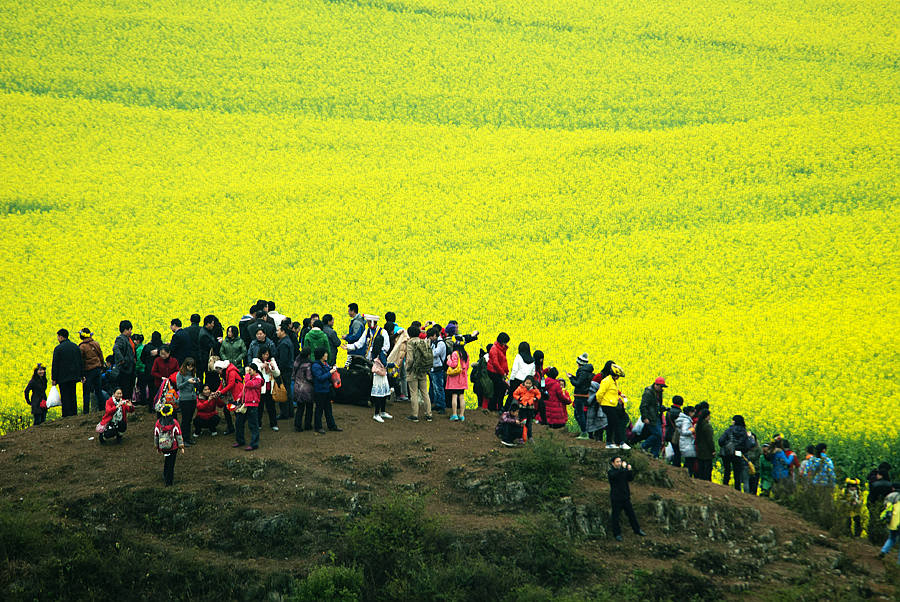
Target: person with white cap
{"points": [[581, 384], [376, 344], [651, 406]]}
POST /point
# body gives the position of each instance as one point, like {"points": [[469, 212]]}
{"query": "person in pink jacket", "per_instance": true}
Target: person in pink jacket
{"points": [[249, 412], [457, 381]]}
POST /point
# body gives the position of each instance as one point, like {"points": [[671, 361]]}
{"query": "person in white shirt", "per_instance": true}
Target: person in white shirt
{"points": [[522, 366], [268, 368]]}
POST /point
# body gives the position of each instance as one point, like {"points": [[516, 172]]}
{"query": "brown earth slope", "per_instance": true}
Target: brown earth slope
{"points": [[749, 548]]}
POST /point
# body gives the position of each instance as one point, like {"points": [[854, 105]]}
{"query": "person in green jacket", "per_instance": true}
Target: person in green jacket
{"points": [[233, 348], [315, 338]]}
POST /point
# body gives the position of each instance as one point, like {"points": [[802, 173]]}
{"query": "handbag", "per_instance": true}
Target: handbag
{"points": [[456, 371], [279, 393], [336, 379], [378, 368]]}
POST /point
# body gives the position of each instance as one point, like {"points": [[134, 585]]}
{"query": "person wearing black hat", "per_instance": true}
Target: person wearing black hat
{"points": [[66, 371], [672, 415]]}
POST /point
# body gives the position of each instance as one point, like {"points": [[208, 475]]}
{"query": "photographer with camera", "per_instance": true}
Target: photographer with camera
{"points": [[620, 496]]}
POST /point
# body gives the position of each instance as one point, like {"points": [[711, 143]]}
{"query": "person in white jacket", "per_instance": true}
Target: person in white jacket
{"points": [[686, 440], [268, 368], [522, 366]]}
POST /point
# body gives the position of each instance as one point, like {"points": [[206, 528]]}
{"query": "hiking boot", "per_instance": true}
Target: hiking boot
{"points": [[412, 418], [386, 416], [378, 418], [428, 418]]}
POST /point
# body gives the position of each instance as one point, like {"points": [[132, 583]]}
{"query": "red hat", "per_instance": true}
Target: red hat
{"points": [[660, 380]]}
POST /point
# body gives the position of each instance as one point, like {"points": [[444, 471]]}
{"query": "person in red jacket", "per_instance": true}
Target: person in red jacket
{"points": [[115, 419], [231, 388], [498, 371], [164, 366], [253, 382], [557, 400], [207, 412]]}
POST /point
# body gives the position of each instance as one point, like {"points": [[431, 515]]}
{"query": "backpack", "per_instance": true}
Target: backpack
{"points": [[422, 358], [167, 440], [729, 447]]}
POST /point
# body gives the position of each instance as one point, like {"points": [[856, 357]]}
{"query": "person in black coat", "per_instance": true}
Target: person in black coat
{"points": [[66, 371], [620, 497], [181, 346], [284, 357]]}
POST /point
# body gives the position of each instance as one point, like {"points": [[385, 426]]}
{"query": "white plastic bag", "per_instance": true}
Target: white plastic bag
{"points": [[53, 399], [638, 428], [670, 452]]}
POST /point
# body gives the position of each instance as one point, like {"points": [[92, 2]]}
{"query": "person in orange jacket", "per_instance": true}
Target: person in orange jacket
{"points": [[527, 396]]}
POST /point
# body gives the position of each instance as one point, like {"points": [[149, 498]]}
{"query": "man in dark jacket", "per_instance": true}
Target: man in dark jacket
{"points": [[260, 323], [124, 360], [66, 371], [180, 344], [357, 329], [194, 335], [260, 342], [733, 444], [334, 341], [209, 345], [651, 410], [671, 416], [284, 357], [620, 497], [581, 385]]}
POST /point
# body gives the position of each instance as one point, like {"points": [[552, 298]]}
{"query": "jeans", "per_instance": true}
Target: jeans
{"points": [[92, 385], [418, 394], [402, 385], [250, 417], [578, 406], [737, 466], [654, 439], [892, 540], [323, 406], [169, 467], [436, 389], [68, 402], [188, 407], [617, 507]]}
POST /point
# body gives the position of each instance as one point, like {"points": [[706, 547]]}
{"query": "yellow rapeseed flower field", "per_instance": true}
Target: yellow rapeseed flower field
{"points": [[706, 191]]}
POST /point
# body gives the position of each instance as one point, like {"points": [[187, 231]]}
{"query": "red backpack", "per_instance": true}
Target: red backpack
{"points": [[168, 442]]}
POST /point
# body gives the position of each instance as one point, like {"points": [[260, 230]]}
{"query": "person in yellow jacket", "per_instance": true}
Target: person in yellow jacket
{"points": [[851, 500], [609, 396], [892, 509]]}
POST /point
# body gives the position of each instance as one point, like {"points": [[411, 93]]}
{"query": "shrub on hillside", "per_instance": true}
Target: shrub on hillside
{"points": [[544, 467]]}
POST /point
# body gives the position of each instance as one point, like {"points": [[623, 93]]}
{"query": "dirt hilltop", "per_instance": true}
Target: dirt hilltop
{"points": [[80, 520]]}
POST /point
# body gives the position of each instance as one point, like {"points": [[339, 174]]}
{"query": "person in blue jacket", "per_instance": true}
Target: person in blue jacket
{"points": [[322, 372]]}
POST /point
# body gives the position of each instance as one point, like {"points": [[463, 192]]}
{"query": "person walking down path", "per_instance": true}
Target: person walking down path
{"points": [[168, 440], [65, 371], [892, 510], [36, 394], [619, 475]]}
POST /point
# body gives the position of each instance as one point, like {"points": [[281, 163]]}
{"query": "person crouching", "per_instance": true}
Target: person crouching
{"points": [[115, 419], [620, 496], [509, 429], [168, 439]]}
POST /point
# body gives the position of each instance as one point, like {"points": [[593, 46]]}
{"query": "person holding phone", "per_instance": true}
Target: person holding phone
{"points": [[619, 475]]}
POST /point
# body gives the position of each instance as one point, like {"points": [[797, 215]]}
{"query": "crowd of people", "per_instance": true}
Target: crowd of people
{"points": [[270, 364]]}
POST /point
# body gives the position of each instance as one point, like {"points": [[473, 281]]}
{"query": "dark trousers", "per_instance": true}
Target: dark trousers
{"points": [[251, 418], [206, 423], [169, 467], [266, 401], [379, 404], [303, 416], [323, 406], [527, 414], [500, 388], [90, 385], [617, 507], [212, 379], [676, 459], [691, 465], [113, 430], [39, 416], [579, 410], [704, 469], [735, 465], [188, 407], [510, 432], [229, 422], [612, 425], [142, 390], [126, 381], [68, 402], [513, 385], [754, 483]]}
